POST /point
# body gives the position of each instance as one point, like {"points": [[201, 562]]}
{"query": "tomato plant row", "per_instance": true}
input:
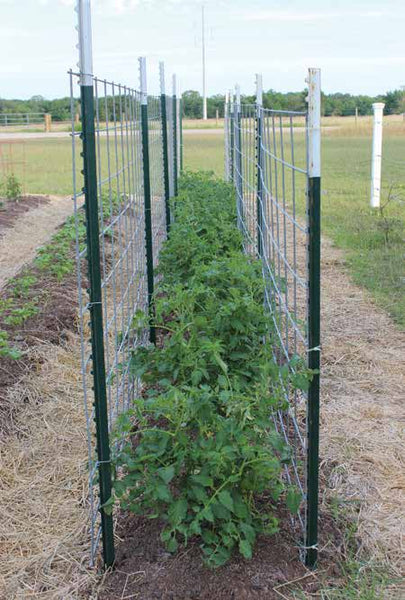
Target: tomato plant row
{"points": [[199, 449]]}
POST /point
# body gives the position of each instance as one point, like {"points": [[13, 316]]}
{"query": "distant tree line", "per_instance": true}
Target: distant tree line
{"points": [[59, 108], [336, 104]]}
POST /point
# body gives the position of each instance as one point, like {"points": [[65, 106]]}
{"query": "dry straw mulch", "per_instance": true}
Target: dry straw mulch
{"points": [[43, 483], [363, 411], [33, 229]]}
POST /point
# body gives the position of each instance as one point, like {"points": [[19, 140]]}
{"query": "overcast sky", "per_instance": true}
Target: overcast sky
{"points": [[360, 46]]}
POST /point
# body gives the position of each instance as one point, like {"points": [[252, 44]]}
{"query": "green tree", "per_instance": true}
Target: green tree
{"points": [[192, 104], [394, 102]]}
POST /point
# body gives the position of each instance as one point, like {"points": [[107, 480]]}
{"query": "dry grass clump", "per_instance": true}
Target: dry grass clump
{"points": [[44, 544], [394, 125]]}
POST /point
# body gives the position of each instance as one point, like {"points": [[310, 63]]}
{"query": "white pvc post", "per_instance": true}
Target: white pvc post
{"points": [[237, 97], [85, 64], [162, 77], [314, 122], [378, 108], [142, 80], [174, 85], [259, 89]]}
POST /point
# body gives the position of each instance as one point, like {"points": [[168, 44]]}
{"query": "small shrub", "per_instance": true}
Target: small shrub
{"points": [[11, 188]]}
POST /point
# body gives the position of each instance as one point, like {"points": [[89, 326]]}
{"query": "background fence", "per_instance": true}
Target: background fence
{"points": [[21, 119], [124, 173], [273, 159]]}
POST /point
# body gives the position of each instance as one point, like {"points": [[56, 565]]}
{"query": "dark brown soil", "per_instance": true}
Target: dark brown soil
{"points": [[57, 302], [146, 571], [10, 210]]}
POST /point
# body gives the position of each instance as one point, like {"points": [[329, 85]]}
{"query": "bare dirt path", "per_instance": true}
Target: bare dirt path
{"points": [[32, 230], [65, 134], [39, 135], [363, 409]]}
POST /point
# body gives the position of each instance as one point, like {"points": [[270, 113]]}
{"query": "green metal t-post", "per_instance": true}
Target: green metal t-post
{"points": [[232, 137], [165, 145], [181, 133], [259, 158], [238, 155], [147, 198], [175, 141], [93, 259], [314, 305]]}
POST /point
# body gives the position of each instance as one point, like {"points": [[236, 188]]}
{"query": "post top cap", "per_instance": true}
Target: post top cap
{"points": [[378, 105]]}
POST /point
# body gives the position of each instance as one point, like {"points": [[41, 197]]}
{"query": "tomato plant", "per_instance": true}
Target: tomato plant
{"points": [[199, 448]]}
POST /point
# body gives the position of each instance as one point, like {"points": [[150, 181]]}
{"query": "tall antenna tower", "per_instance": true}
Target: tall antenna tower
{"points": [[203, 62]]}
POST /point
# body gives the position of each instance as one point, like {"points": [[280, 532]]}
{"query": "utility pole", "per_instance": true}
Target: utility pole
{"points": [[203, 62]]}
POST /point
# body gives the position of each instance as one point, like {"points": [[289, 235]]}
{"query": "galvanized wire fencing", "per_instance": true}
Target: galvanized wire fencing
{"points": [[122, 216], [273, 159]]}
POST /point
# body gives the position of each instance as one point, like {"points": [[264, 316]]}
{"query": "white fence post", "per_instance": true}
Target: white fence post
{"points": [[314, 122], [378, 108], [227, 141]]}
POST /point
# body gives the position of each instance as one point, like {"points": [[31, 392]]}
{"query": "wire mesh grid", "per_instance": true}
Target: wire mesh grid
{"points": [[156, 175], [120, 194], [170, 142], [267, 160]]}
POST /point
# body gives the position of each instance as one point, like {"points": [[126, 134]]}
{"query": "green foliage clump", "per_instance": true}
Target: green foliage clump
{"points": [[11, 188], [199, 449], [57, 257], [6, 349]]}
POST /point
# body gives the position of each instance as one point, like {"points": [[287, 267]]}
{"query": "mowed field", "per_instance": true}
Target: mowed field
{"points": [[372, 241]]}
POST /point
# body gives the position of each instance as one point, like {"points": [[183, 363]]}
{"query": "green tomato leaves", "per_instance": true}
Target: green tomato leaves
{"points": [[199, 448]]}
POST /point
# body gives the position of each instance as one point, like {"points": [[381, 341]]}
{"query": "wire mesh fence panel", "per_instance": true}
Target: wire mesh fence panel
{"points": [[157, 175], [170, 141], [268, 162], [114, 111], [245, 172], [284, 242]]}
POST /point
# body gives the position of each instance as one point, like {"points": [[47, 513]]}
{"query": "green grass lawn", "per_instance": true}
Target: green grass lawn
{"points": [[374, 242], [374, 245], [44, 166]]}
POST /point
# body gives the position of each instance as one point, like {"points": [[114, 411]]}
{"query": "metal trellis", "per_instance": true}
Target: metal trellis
{"points": [[273, 160]]}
